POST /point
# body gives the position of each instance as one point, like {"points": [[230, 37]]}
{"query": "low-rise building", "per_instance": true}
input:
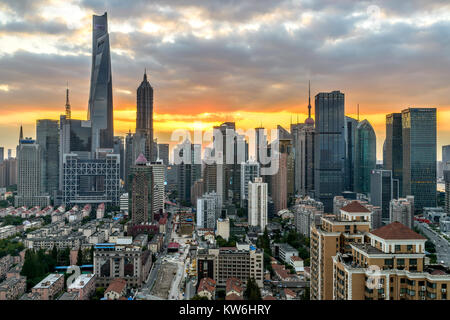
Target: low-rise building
{"points": [[235, 287], [297, 263], [207, 288], [84, 286], [116, 289], [50, 287], [12, 288]]}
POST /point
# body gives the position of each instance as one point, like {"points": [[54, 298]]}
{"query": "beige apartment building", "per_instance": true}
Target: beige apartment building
{"points": [[334, 235], [390, 265]]}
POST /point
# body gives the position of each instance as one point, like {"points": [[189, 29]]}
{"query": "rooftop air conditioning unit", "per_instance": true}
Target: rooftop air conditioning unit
{"points": [[424, 298], [444, 290], [383, 295], [423, 288]]}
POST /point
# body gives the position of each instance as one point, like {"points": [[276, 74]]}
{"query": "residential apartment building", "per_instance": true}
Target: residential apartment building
{"points": [[257, 203], [389, 265], [50, 287], [221, 264], [334, 235], [402, 210]]}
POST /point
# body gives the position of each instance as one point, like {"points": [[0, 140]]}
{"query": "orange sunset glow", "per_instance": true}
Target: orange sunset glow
{"points": [[249, 63]]}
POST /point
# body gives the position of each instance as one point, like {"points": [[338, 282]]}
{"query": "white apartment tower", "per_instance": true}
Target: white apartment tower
{"points": [[257, 203]]}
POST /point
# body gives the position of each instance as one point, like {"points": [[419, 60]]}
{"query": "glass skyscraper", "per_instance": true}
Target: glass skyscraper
{"points": [[100, 97], [47, 137], [144, 116], [365, 156], [329, 147], [350, 136], [393, 148], [419, 155]]}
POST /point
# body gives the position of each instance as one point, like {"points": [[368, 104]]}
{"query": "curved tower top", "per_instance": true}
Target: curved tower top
{"points": [[100, 110]]}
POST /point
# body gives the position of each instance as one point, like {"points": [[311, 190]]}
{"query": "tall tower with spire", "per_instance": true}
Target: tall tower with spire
{"points": [[21, 133], [309, 121], [144, 116], [68, 111]]}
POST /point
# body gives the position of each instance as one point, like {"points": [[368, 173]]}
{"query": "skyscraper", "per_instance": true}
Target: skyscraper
{"points": [[350, 152], [382, 190], [402, 210], [47, 137], [249, 171], [158, 176], [119, 148], [100, 97], [365, 156], [447, 190], [29, 184], [329, 153], [446, 157], [393, 159], [163, 153], [303, 144], [419, 155], [140, 200], [257, 203], [144, 116]]}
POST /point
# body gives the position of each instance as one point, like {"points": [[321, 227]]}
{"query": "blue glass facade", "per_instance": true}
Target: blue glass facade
{"points": [[366, 156], [419, 155], [329, 147], [393, 149]]}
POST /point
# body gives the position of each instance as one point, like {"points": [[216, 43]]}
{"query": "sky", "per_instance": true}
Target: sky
{"points": [[226, 60]]}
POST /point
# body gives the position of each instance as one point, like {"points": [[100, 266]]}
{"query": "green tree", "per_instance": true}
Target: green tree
{"points": [[80, 260], [252, 291], [305, 295]]}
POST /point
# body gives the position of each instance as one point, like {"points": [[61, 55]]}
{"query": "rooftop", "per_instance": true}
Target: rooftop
{"points": [[48, 281], [397, 231], [117, 285], [355, 207], [81, 281]]}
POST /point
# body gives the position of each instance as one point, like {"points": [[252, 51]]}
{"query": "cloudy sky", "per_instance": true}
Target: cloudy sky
{"points": [[226, 60]]}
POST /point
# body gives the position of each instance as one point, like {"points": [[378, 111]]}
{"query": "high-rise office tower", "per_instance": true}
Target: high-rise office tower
{"points": [[75, 136], [158, 175], [144, 116], [128, 156], [447, 190], [47, 137], [350, 152], [249, 171], [100, 97], [119, 148], [419, 155], [189, 167], [303, 145], [260, 144], [208, 210], [446, 157], [402, 210], [8, 172], [140, 199], [257, 203], [365, 156], [2, 154], [329, 148], [29, 184], [282, 182], [382, 190], [393, 159], [9, 153], [163, 153]]}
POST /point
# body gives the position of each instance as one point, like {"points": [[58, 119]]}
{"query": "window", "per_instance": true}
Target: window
{"points": [[409, 247], [400, 262], [397, 248], [412, 261], [388, 262]]}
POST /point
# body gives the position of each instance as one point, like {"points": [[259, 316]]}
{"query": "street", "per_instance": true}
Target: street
{"points": [[442, 245]]}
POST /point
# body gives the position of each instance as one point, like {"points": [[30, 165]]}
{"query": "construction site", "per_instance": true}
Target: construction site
{"points": [[164, 281]]}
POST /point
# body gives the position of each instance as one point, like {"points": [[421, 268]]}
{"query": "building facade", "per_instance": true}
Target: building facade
{"points": [[419, 156], [365, 156], [257, 204], [329, 148]]}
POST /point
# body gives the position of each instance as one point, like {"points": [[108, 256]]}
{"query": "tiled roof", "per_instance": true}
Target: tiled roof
{"points": [[233, 296], [207, 284], [355, 207], [234, 284], [397, 231], [289, 292], [269, 298], [117, 285]]}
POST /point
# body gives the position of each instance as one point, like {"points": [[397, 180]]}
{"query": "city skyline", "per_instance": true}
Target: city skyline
{"points": [[224, 74]]}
